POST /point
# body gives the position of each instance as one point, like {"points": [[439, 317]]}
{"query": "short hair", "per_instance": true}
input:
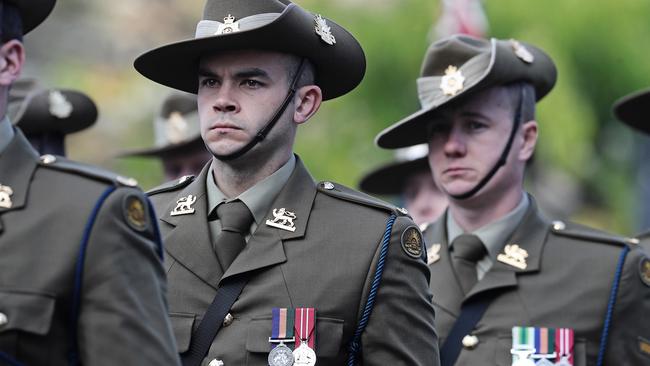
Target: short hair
{"points": [[12, 22], [308, 75], [522, 95]]}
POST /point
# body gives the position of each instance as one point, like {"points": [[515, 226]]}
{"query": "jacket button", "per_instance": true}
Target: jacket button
{"points": [[3, 319], [216, 362], [470, 341], [228, 320]]}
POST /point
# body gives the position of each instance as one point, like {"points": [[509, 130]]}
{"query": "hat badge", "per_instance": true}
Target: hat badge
{"points": [[452, 82], [522, 52], [324, 30], [229, 26], [60, 107], [176, 129]]}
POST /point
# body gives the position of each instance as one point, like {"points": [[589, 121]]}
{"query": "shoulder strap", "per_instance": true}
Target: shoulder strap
{"points": [[471, 312], [355, 344], [207, 330]]}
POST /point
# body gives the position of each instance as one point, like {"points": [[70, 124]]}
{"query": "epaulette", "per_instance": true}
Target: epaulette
{"points": [[348, 194], [89, 171], [585, 233], [172, 185]]}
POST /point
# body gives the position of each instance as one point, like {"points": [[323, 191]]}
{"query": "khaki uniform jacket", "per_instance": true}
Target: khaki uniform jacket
{"points": [[327, 263], [122, 317], [567, 281]]}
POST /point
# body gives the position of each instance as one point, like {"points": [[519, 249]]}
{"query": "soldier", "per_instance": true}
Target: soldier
{"points": [[325, 271], [82, 281], [178, 142], [633, 110], [46, 116], [511, 286], [409, 177]]}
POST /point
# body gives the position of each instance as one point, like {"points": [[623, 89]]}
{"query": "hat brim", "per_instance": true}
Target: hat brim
{"points": [[634, 110], [33, 12], [499, 69], [164, 151], [339, 68], [390, 179], [34, 116]]}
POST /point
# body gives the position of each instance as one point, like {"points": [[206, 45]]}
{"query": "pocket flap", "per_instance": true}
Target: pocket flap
{"points": [[329, 334], [182, 326], [27, 311]]}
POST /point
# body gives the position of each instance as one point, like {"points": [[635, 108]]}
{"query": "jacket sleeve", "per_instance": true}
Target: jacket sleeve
{"points": [[123, 310], [629, 335], [401, 328]]}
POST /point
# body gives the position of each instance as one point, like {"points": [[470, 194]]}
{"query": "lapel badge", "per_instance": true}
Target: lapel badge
{"points": [[60, 107], [514, 256], [324, 30], [522, 52], [433, 254], [184, 206], [452, 82], [229, 26], [282, 219], [5, 196]]}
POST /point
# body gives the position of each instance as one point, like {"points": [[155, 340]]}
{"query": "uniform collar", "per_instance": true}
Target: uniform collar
{"points": [[259, 197], [6, 133]]}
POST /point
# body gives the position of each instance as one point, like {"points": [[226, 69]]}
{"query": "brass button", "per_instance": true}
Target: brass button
{"points": [[228, 320], [48, 159], [3, 319], [328, 185], [216, 362], [470, 341]]}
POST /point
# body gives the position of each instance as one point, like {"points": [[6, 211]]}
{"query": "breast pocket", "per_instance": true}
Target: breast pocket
{"points": [[329, 336], [503, 356], [182, 326], [23, 313]]}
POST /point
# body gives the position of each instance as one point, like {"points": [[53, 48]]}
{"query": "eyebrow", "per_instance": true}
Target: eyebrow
{"points": [[474, 114], [242, 74]]}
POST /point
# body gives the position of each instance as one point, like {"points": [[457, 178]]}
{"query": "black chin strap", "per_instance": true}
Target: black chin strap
{"points": [[261, 134], [504, 155]]}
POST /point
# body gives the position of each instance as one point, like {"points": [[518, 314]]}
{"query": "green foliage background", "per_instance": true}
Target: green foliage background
{"points": [[601, 49]]}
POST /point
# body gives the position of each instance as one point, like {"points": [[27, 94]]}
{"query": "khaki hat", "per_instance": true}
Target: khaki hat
{"points": [[390, 179], [176, 127], [37, 110], [33, 12], [337, 57], [633, 109], [461, 65]]}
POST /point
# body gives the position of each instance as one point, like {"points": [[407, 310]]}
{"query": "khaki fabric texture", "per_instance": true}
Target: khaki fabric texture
{"points": [[328, 263], [122, 320], [566, 284]]}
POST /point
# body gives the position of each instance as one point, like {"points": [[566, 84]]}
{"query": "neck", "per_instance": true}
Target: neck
{"points": [[237, 176], [483, 209]]}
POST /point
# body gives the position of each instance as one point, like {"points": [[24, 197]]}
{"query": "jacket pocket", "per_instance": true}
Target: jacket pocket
{"points": [[329, 335], [182, 326], [24, 311]]}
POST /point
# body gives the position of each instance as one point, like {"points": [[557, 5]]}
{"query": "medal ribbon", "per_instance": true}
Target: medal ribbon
{"points": [[544, 341], [305, 321], [564, 341], [282, 325]]}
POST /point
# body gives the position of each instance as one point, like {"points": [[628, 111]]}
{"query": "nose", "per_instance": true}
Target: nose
{"points": [[225, 101], [455, 143]]}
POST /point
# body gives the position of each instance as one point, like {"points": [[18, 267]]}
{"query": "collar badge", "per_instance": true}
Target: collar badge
{"points": [[452, 82], [433, 254], [324, 30], [184, 206], [5, 196], [514, 256], [229, 26], [282, 219]]}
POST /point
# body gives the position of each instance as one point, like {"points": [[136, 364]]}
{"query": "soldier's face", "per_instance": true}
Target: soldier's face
{"points": [[238, 93], [467, 140], [423, 199]]}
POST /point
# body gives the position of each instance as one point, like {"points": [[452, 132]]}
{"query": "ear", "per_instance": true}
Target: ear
{"points": [[12, 59], [307, 101], [529, 135]]}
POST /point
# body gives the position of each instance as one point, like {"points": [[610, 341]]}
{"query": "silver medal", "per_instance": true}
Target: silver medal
{"points": [[564, 361], [304, 356], [281, 355]]}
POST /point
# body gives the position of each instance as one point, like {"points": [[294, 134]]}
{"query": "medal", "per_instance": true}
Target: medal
{"points": [[281, 331], [304, 354], [564, 344], [542, 346]]}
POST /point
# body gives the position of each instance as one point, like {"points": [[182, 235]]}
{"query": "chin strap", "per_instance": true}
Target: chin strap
{"points": [[261, 134], [504, 155]]}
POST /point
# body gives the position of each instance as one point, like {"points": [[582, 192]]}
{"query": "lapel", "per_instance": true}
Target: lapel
{"points": [[17, 165], [189, 240], [529, 235], [445, 288], [265, 247]]}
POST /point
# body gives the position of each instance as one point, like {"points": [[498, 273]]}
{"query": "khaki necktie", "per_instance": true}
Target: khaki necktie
{"points": [[467, 249], [236, 220]]}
